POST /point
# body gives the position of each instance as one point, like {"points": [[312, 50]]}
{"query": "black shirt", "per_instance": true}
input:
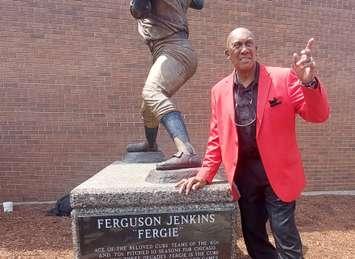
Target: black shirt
{"points": [[250, 170], [245, 101]]}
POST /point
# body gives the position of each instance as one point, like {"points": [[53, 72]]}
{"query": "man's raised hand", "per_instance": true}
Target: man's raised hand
{"points": [[303, 63]]}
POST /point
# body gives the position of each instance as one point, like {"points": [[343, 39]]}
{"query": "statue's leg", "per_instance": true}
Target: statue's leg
{"points": [[168, 73], [186, 156], [151, 124]]}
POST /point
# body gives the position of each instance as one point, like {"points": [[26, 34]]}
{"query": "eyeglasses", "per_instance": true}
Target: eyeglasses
{"points": [[239, 44], [246, 124]]}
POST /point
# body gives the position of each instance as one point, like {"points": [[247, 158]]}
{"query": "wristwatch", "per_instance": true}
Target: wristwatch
{"points": [[311, 84]]}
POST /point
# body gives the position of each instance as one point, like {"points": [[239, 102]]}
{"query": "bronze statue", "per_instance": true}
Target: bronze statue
{"points": [[164, 28]]}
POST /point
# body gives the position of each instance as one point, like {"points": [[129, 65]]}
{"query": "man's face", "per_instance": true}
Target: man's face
{"points": [[241, 50]]}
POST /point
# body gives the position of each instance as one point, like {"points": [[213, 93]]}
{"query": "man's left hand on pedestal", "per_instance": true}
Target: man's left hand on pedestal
{"points": [[193, 183]]}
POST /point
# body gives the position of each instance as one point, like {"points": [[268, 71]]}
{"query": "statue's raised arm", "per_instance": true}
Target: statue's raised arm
{"points": [[197, 4]]}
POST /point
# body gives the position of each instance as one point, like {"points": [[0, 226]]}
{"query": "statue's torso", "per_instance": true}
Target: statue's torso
{"points": [[167, 17]]}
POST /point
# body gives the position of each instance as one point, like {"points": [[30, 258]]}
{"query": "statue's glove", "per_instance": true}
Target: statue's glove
{"points": [[197, 4], [140, 9]]}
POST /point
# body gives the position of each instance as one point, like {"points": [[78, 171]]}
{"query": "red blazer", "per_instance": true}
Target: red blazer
{"points": [[275, 129]]}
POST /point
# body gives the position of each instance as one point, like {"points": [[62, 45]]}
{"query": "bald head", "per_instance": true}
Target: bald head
{"points": [[237, 33], [241, 49]]}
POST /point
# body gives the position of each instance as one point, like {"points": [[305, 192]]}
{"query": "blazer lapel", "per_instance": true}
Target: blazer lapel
{"points": [[263, 93], [229, 98]]}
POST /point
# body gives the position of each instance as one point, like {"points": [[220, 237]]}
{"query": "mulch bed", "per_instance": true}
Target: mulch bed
{"points": [[326, 223]]}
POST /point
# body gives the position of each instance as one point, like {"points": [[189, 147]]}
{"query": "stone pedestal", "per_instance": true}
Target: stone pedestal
{"points": [[117, 214]]}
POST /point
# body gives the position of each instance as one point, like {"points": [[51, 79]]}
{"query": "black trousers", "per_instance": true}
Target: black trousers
{"points": [[259, 204]]}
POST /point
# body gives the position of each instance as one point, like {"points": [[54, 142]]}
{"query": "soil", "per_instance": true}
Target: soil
{"points": [[326, 224]]}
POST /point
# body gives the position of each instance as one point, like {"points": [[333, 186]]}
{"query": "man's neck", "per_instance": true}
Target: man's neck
{"points": [[246, 77]]}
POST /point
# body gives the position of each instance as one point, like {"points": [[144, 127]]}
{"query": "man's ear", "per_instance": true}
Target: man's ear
{"points": [[226, 52]]}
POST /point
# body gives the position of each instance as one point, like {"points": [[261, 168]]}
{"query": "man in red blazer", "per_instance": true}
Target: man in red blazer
{"points": [[252, 131]]}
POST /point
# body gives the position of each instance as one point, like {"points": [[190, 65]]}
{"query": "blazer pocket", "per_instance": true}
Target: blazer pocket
{"points": [[275, 101]]}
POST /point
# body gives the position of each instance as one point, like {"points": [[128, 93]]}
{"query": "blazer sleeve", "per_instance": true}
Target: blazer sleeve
{"points": [[212, 158], [311, 104]]}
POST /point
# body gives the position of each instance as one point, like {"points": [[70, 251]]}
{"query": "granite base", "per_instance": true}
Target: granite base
{"points": [[117, 214]]}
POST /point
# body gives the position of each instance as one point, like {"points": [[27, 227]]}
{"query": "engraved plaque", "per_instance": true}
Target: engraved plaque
{"points": [[195, 234]]}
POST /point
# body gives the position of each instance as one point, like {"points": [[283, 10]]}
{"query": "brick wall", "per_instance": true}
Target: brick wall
{"points": [[71, 73]]}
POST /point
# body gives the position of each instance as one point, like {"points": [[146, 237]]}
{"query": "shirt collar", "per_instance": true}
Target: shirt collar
{"points": [[255, 81]]}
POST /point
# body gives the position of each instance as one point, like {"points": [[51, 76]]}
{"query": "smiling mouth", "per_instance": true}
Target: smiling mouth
{"points": [[245, 59]]}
